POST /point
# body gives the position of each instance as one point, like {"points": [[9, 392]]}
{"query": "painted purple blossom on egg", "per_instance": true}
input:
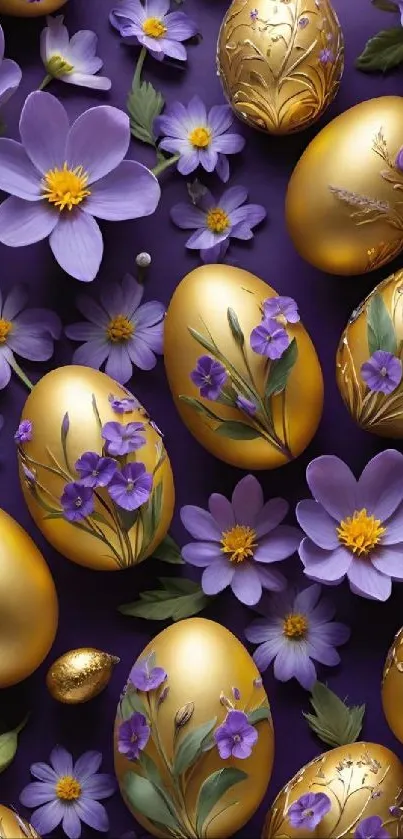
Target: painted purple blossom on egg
{"points": [[24, 432], [131, 487], [269, 339], [235, 737], [29, 333], [309, 810], [133, 736], [123, 439], [151, 25], [123, 406], [209, 376], [371, 828], [94, 470], [145, 677], [71, 60], [382, 373], [77, 501], [283, 309]]}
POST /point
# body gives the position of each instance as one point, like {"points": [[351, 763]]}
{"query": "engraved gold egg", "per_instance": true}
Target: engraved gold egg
{"points": [[343, 207], [280, 61], [12, 826], [69, 409], [192, 676], [28, 8], [392, 686]]}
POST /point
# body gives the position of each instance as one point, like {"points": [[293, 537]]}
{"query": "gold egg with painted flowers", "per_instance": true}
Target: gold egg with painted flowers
{"points": [[30, 8]]}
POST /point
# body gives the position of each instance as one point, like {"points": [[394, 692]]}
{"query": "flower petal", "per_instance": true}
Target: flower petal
{"points": [[44, 126], [262, 630], [333, 484], [279, 544], [77, 245], [248, 216], [388, 560], [334, 634], [99, 786], [233, 198], [220, 119], [5, 369], [71, 823], [294, 660], [47, 817], [246, 584], [197, 112], [149, 314], [180, 26], [24, 222], [92, 354], [87, 765], [10, 78], [92, 813], [217, 576], [222, 511], [322, 652], [130, 191], [380, 486], [98, 141], [317, 524], [265, 653], [208, 158], [43, 772], [228, 143], [83, 47], [118, 365], [270, 516], [61, 761], [200, 523], [15, 301], [24, 342], [92, 310], [173, 49], [188, 161], [367, 581], [188, 217], [83, 331], [205, 239], [87, 80], [37, 793], [394, 528], [271, 579], [222, 168], [201, 554], [307, 599], [324, 566], [17, 174], [141, 354], [247, 500]]}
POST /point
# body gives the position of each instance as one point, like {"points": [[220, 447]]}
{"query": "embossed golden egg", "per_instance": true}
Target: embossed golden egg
{"points": [[194, 739], [94, 470], [30, 8], [280, 61], [343, 207], [28, 604], [392, 686], [368, 362], [242, 369], [12, 826], [360, 781], [80, 675]]}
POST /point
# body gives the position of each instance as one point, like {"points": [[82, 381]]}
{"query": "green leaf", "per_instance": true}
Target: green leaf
{"points": [[212, 789], [174, 603], [382, 52], [55, 514], [191, 746], [334, 722], [235, 327], [144, 104], [156, 506], [63, 436], [128, 518], [130, 704], [380, 330], [281, 369], [9, 745], [147, 800], [96, 412], [259, 714], [169, 551], [199, 407], [179, 585], [237, 430], [385, 5], [202, 340]]}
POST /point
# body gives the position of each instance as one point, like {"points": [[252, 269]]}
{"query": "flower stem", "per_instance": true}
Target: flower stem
{"points": [[20, 373], [165, 164], [22, 724], [45, 82], [139, 68]]}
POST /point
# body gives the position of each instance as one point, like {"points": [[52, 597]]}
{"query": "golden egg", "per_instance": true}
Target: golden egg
{"points": [[343, 206], [30, 8], [195, 674], [28, 604], [68, 409], [373, 392], [360, 780], [281, 62], [392, 686], [12, 826], [267, 411], [80, 675]]}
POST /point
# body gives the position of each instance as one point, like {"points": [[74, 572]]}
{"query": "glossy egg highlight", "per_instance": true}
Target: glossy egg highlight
{"points": [[30, 8], [12, 826], [392, 686]]}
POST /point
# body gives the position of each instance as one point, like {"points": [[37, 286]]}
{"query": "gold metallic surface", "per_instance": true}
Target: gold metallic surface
{"points": [[12, 826], [204, 662], [201, 301], [70, 390], [361, 780], [23, 8], [28, 604], [392, 686], [80, 675], [280, 68], [343, 206]]}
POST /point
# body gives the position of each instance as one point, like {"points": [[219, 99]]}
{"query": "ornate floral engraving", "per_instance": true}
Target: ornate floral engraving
{"points": [[392, 657]]}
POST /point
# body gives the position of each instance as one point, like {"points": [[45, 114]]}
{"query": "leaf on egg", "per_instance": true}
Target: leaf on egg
{"points": [[281, 369], [9, 745], [237, 430], [144, 104], [235, 327], [151, 772], [202, 340], [146, 798], [382, 52], [169, 551], [179, 598], [380, 330], [334, 722], [190, 747], [199, 407], [385, 5], [96, 412], [130, 704], [128, 518], [259, 714], [213, 789]]}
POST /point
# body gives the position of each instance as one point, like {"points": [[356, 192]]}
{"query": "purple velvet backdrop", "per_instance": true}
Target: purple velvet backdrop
{"points": [[89, 600]]}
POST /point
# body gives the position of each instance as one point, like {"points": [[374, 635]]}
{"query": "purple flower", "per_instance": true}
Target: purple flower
{"points": [[199, 137], [94, 470], [123, 439], [133, 736], [131, 487], [309, 810], [303, 22], [154, 27], [283, 309], [326, 56], [123, 406], [216, 222], [237, 540], [10, 74], [371, 828], [61, 178], [77, 501], [120, 331], [399, 156], [236, 694], [298, 628], [209, 376], [235, 737], [29, 475], [72, 60], [354, 528], [24, 432], [146, 678], [29, 333], [400, 5], [382, 372], [68, 793], [246, 406], [254, 14], [269, 339]]}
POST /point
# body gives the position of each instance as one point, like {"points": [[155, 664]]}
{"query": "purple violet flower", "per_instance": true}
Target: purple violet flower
{"points": [[238, 541], [145, 678], [254, 14], [199, 137], [29, 333], [269, 339], [309, 810], [77, 501], [10, 74], [24, 432], [68, 793], [326, 56], [123, 406], [303, 22], [399, 156], [133, 736], [123, 439], [29, 475], [246, 405], [131, 487], [236, 694], [60, 178], [119, 331], [282, 309], [209, 376], [382, 373], [72, 60], [154, 27], [94, 470], [235, 737], [371, 828]]}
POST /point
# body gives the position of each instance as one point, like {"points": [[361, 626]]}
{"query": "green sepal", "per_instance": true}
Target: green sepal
{"points": [[334, 722], [383, 52], [178, 599]]}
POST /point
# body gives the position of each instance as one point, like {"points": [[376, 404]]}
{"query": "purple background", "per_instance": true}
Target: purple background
{"points": [[89, 600]]}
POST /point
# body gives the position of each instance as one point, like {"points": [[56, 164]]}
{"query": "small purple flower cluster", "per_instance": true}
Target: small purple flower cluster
{"points": [[270, 338]]}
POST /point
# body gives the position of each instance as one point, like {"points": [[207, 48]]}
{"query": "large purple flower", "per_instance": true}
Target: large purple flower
{"points": [[235, 737], [77, 501], [308, 811], [61, 178], [372, 826], [72, 60], [216, 222], [131, 487], [382, 373], [199, 137], [154, 27], [269, 339], [29, 333], [298, 627], [209, 376], [10, 74], [94, 470], [283, 309], [354, 528], [145, 677], [123, 439], [68, 793], [133, 736], [238, 540]]}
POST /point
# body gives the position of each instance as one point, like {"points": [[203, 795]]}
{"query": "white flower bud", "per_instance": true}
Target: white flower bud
{"points": [[143, 260]]}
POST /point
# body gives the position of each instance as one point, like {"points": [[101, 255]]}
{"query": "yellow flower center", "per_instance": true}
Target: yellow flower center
{"points": [[360, 532], [238, 542], [295, 626], [217, 220], [119, 328], [5, 329], [200, 137], [68, 788], [58, 66], [65, 188], [154, 27]]}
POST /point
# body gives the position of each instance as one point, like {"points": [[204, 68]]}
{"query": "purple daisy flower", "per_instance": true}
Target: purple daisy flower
{"points": [[354, 528], [72, 60], [10, 74], [269, 339], [123, 406], [29, 333], [77, 501], [382, 372], [133, 736], [199, 137], [61, 178], [216, 222], [119, 331], [94, 470], [24, 432], [146, 678], [309, 810], [131, 487], [235, 737], [326, 56], [299, 627], [237, 540], [209, 376], [68, 793], [154, 27], [284, 309], [246, 406], [123, 439], [371, 828]]}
